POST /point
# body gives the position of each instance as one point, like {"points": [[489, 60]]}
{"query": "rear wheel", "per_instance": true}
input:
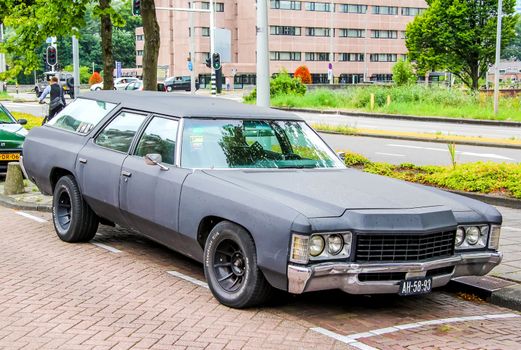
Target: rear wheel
{"points": [[230, 267], [74, 221]]}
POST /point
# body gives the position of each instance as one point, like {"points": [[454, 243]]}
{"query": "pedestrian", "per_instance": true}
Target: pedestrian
{"points": [[57, 99]]}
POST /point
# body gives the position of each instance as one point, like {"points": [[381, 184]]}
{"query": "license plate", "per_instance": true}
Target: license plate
{"points": [[415, 286], [9, 156]]}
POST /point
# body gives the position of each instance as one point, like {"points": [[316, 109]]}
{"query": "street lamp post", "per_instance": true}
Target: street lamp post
{"points": [[498, 52], [263, 66]]}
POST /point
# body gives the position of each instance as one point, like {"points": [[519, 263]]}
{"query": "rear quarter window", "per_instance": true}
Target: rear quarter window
{"points": [[82, 115]]}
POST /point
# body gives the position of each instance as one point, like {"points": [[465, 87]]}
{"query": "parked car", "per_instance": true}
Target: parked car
{"points": [[180, 83], [255, 195], [12, 135], [66, 81], [119, 83]]}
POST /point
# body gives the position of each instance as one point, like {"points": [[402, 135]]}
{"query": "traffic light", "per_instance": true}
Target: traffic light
{"points": [[216, 61], [136, 7], [208, 62], [52, 58]]}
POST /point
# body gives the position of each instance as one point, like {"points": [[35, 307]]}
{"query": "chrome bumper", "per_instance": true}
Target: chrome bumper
{"points": [[344, 276]]}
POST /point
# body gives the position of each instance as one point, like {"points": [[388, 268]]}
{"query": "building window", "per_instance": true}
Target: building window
{"points": [[352, 33], [285, 5], [318, 6], [218, 6], [383, 57], [317, 31], [140, 37], [402, 34], [284, 30], [385, 10], [349, 8], [384, 34], [285, 56], [319, 78], [350, 57], [382, 77], [317, 56], [411, 11], [205, 31], [139, 52]]}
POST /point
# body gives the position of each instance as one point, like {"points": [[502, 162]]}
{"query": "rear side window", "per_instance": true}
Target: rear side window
{"points": [[82, 115], [118, 134]]}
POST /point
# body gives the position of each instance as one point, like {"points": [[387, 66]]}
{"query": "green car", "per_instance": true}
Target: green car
{"points": [[12, 136]]}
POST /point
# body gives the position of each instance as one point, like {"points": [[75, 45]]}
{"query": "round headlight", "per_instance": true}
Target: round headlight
{"points": [[460, 236], [335, 243], [472, 235], [316, 245]]}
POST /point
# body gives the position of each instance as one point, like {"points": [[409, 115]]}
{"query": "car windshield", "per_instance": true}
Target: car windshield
{"points": [[253, 144], [5, 118]]}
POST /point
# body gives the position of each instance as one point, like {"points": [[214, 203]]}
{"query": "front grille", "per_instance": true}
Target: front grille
{"points": [[404, 247]]}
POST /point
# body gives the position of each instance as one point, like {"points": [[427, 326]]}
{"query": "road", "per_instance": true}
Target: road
{"points": [[419, 153], [501, 132], [123, 291]]}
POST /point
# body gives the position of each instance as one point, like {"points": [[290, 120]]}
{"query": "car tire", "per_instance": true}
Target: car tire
{"points": [[169, 89], [97, 89], [38, 93], [74, 221], [230, 267]]}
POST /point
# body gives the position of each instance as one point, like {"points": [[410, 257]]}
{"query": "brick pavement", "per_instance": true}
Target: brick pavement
{"points": [[55, 295], [510, 245]]}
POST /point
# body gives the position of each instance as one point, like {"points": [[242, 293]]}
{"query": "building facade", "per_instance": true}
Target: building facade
{"points": [[362, 39]]}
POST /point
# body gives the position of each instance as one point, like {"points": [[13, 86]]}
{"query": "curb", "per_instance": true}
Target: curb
{"points": [[489, 199], [406, 117], [509, 297], [11, 203], [420, 139]]}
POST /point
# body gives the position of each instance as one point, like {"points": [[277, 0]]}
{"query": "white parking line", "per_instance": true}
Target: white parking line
{"points": [[511, 228], [352, 339], [107, 247], [188, 278], [390, 154], [29, 216]]}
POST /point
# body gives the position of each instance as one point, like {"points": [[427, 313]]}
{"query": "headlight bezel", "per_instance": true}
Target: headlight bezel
{"points": [[299, 242], [468, 243]]}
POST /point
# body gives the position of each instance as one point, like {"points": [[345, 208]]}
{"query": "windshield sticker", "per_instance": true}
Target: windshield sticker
{"points": [[196, 141]]}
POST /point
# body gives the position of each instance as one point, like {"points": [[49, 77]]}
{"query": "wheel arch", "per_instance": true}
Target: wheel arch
{"points": [[56, 174]]}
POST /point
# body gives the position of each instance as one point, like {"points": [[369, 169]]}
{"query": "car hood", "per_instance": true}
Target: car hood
{"points": [[330, 192], [11, 136]]}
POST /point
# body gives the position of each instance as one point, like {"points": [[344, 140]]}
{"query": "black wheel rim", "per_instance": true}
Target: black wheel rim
{"points": [[229, 266], [64, 211]]}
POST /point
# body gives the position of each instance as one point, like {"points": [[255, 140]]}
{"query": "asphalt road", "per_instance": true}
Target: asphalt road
{"points": [[123, 291], [502, 132], [419, 153]]}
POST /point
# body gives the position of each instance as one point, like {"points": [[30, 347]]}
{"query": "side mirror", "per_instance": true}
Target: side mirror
{"points": [[155, 159], [22, 121], [341, 155]]}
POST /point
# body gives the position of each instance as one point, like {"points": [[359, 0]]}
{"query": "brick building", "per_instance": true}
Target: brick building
{"points": [[366, 37]]}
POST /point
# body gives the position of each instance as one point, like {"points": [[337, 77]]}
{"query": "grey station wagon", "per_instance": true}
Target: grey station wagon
{"points": [[255, 195]]}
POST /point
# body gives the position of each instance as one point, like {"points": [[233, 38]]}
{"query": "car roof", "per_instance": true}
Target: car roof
{"points": [[183, 105]]}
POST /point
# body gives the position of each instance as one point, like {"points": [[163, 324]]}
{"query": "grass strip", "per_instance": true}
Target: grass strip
{"points": [[32, 120], [502, 179]]}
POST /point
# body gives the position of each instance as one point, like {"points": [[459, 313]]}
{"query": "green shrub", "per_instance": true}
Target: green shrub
{"points": [[403, 73], [281, 85]]}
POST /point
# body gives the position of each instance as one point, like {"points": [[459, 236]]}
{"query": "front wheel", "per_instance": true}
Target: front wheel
{"points": [[74, 221], [230, 267]]}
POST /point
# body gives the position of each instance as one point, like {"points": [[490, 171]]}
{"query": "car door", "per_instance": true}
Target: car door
{"points": [[99, 164], [149, 194]]}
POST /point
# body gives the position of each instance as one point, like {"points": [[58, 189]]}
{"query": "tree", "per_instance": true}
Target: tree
{"points": [[513, 51], [403, 73], [302, 72], [151, 48], [459, 36]]}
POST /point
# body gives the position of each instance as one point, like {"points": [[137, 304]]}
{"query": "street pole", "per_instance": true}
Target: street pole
{"points": [[498, 52], [212, 44], [331, 38], [2, 56], [192, 49], [76, 65], [263, 64]]}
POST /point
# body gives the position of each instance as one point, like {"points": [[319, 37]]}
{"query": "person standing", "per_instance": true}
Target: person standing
{"points": [[57, 99]]}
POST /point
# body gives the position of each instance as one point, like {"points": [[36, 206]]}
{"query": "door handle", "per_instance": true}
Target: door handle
{"points": [[126, 173], [83, 161]]}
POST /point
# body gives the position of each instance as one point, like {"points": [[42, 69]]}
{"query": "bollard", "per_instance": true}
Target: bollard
{"points": [[14, 180], [372, 101], [388, 100]]}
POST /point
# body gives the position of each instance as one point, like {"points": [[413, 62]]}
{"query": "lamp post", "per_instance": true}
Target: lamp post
{"points": [[263, 66], [498, 52]]}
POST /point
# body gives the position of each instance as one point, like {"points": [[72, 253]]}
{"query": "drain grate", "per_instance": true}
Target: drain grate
{"points": [[487, 283]]}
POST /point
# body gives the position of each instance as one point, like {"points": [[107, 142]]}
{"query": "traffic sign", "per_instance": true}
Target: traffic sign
{"points": [[190, 66]]}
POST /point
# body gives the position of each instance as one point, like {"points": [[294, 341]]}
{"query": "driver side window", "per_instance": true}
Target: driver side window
{"points": [[159, 137]]}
